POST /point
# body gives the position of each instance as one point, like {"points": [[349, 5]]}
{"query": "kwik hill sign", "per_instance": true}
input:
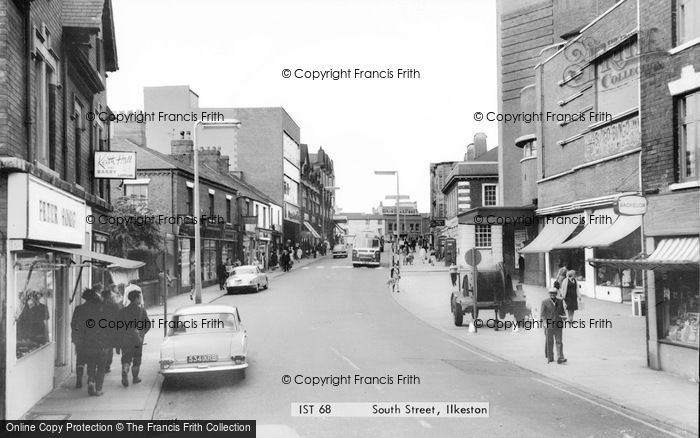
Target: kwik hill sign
{"points": [[115, 164]]}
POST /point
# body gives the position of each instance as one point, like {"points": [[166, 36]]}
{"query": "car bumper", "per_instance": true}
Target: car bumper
{"points": [[240, 286], [202, 368], [365, 262], [340, 254]]}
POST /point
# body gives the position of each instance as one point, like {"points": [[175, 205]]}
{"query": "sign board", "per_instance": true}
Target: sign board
{"points": [[41, 211], [612, 139], [115, 164], [473, 257], [437, 223], [631, 205]]}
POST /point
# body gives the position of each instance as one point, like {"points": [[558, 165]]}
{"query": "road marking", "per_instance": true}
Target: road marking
{"points": [[608, 408], [345, 359], [304, 268], [320, 267], [425, 424], [470, 350]]}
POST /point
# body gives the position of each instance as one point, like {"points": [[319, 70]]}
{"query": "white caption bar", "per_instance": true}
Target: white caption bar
{"points": [[392, 409]]}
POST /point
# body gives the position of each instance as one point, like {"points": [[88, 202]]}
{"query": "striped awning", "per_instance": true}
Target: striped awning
{"points": [[678, 253], [312, 230], [551, 235]]}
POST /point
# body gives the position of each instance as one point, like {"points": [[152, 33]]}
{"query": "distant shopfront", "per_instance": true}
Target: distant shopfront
{"points": [[218, 243]]}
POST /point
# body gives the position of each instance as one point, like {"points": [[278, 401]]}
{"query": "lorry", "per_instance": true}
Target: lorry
{"points": [[366, 252]]}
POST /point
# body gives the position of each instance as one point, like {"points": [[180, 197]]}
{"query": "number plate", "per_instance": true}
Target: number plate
{"points": [[202, 358]]}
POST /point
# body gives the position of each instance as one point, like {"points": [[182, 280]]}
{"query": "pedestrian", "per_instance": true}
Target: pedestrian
{"points": [[273, 260], [521, 267], [285, 260], [133, 285], [135, 318], [569, 289], [78, 327], [422, 255], [395, 275], [561, 273], [553, 316], [454, 274], [221, 275], [432, 256], [110, 307], [93, 339]]}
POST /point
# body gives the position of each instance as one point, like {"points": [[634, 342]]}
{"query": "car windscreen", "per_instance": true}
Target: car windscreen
{"points": [[243, 271], [338, 247], [202, 323]]}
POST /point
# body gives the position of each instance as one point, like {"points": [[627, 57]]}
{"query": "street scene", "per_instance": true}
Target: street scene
{"points": [[321, 219]]}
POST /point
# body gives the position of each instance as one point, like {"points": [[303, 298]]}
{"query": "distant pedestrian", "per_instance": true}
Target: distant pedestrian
{"points": [[136, 319], [110, 307], [521, 267], [553, 316], [285, 260], [133, 285], [273, 260], [569, 288], [561, 273], [395, 276], [221, 275], [422, 254], [431, 256], [93, 340], [454, 274]]}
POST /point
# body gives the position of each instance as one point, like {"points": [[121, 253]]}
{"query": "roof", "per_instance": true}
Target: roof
{"points": [[149, 159], [93, 15], [198, 309], [363, 216], [471, 169], [490, 155]]}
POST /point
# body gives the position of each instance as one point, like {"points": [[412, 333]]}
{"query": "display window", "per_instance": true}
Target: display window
{"points": [[624, 249], [677, 310], [34, 282], [563, 260]]}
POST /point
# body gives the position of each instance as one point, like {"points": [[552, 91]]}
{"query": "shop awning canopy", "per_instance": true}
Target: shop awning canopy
{"points": [[592, 231], [111, 261], [311, 230], [679, 253], [551, 235]]}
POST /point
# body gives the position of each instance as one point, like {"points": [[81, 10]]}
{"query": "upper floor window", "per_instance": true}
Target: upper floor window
{"points": [[228, 210], [688, 20], [211, 205], [190, 201], [482, 236], [530, 149], [490, 194], [689, 136], [137, 192], [45, 80]]}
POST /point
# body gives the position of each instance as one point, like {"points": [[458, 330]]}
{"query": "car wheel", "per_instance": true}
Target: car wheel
{"points": [[257, 287], [458, 316], [267, 284], [229, 291]]}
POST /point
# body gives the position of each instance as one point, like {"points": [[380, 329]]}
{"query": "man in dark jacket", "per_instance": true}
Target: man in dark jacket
{"points": [[136, 324], [111, 307], [553, 317], [221, 275], [77, 325], [93, 339]]}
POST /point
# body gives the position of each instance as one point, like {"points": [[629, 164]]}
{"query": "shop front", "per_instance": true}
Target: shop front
{"points": [[217, 245]]}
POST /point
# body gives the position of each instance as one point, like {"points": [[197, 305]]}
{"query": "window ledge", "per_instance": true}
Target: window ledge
{"points": [[685, 45], [684, 185]]}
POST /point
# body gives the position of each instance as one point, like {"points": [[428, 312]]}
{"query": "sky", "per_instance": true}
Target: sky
{"points": [[233, 53]]}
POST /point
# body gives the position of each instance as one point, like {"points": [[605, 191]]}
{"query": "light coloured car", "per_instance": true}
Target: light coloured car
{"points": [[204, 338], [340, 250], [246, 277]]}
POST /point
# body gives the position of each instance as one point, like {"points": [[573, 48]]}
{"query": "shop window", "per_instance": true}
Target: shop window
{"points": [[677, 308], [688, 20], [136, 192], [483, 236], [689, 136], [35, 283], [489, 194], [571, 259], [624, 249]]}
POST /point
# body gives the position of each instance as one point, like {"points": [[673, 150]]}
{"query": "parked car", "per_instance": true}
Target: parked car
{"points": [[340, 250], [204, 338], [246, 277]]}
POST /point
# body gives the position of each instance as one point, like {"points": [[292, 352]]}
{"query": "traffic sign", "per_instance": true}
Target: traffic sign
{"points": [[472, 257]]}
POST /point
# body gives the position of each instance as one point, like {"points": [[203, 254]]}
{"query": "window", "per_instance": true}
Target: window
{"points": [[489, 194], [138, 192], [264, 218], [688, 19], [228, 210], [190, 201], [677, 307], [78, 140], [211, 205], [483, 236], [44, 90], [257, 213], [689, 136], [35, 281], [530, 149]]}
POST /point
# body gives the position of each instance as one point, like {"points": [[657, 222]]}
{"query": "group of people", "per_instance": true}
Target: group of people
{"points": [[407, 253], [563, 301], [97, 336]]}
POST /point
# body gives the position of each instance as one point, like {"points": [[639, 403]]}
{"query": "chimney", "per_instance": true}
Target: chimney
{"points": [[237, 173], [210, 157], [223, 164], [479, 144], [182, 150]]}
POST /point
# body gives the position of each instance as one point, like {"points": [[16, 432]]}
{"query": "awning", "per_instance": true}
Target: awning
{"points": [[551, 235], [679, 253], [111, 261], [311, 230], [592, 231]]}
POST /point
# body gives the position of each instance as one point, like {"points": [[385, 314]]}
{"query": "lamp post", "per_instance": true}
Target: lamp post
{"points": [[398, 196], [197, 239], [323, 207]]}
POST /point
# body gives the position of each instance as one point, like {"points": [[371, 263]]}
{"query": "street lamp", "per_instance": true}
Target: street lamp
{"points": [[398, 196], [197, 240], [323, 208]]}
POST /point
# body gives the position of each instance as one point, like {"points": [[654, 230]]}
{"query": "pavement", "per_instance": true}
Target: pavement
{"points": [[608, 363], [137, 401]]}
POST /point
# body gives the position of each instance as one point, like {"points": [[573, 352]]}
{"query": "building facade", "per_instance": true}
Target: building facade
{"points": [[54, 56]]}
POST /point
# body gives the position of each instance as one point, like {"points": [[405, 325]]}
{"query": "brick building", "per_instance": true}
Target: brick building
{"points": [[438, 205], [316, 198], [54, 56]]}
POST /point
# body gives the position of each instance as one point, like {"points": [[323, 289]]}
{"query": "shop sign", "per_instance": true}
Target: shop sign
{"points": [[43, 212], [113, 164], [264, 235], [291, 213], [613, 139], [437, 223], [631, 205]]}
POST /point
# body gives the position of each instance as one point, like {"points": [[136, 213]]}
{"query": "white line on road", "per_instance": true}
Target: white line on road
{"points": [[425, 424], [345, 359], [470, 350], [608, 408], [320, 267], [304, 268]]}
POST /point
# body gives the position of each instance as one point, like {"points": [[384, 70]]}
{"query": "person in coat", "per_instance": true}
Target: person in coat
{"points": [[136, 324], [569, 288], [111, 307], [553, 317], [221, 275], [77, 325], [93, 340]]}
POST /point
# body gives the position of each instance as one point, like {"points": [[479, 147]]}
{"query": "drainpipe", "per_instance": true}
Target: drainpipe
{"points": [[28, 121]]}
